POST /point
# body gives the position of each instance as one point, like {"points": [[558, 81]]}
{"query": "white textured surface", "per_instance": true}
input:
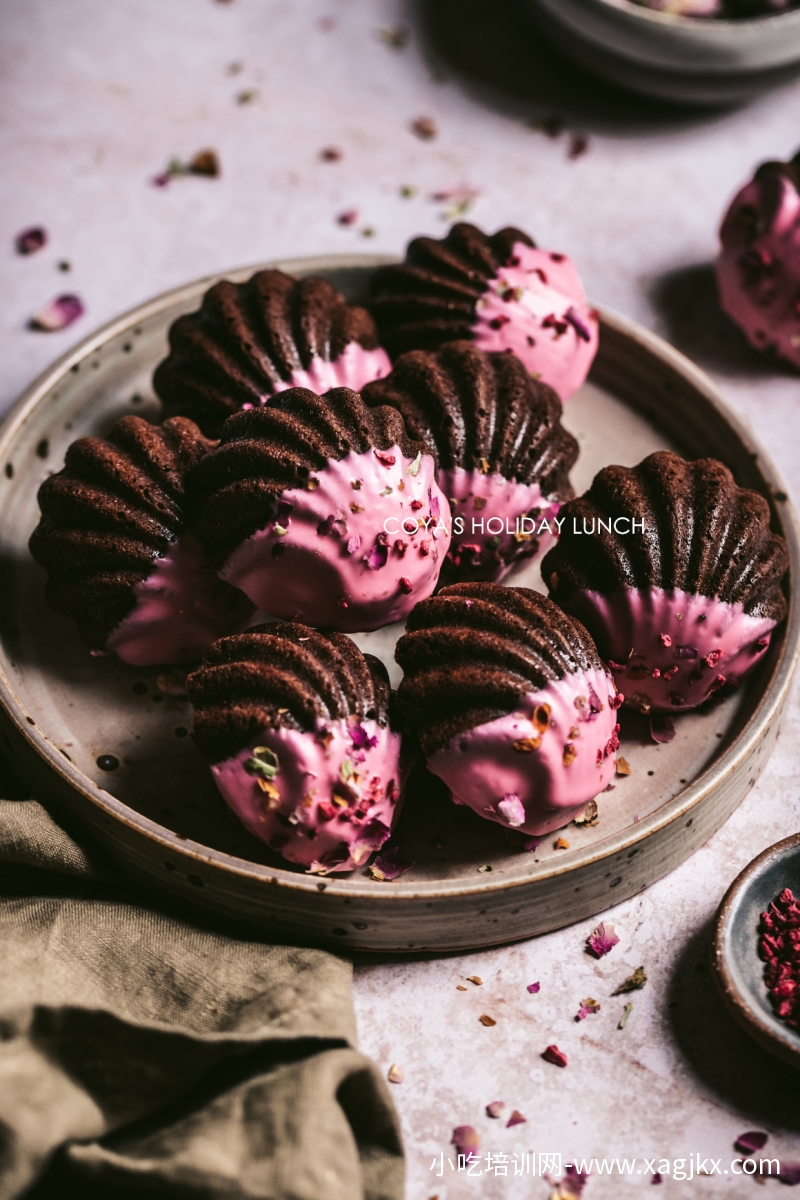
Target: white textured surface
{"points": [[94, 100]]}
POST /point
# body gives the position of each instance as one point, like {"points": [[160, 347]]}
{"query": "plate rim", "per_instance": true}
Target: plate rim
{"points": [[768, 705]]}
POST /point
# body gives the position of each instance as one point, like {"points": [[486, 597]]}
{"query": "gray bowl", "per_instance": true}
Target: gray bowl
{"points": [[738, 970], [691, 60]]}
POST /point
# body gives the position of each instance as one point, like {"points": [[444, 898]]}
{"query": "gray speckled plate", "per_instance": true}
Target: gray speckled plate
{"points": [[738, 970], [159, 814]]}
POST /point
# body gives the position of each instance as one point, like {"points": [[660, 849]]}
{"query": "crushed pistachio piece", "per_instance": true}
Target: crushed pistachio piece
{"points": [[623, 766], [413, 468]]}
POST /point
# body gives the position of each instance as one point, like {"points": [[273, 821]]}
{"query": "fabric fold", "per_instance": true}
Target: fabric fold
{"points": [[144, 1054]]}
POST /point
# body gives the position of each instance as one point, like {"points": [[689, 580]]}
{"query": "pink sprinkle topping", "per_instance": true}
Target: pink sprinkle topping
{"points": [[533, 988], [748, 1143], [495, 1108], [516, 1118], [555, 1056], [31, 240], [465, 1139], [602, 940], [58, 314]]}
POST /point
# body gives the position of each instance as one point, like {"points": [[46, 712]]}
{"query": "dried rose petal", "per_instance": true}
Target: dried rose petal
{"points": [[205, 162], [31, 240], [657, 1177], [330, 154], [533, 988], [465, 1139], [573, 1183], [495, 1108], [587, 1008], [387, 867], [425, 128], [789, 1173], [748, 1143], [348, 217], [602, 940], [555, 1056], [377, 556], [58, 314], [533, 844], [662, 728], [516, 1118], [633, 983]]}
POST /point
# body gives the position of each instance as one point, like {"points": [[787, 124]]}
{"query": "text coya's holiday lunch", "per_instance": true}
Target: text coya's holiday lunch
{"points": [[519, 526], [552, 1166]]}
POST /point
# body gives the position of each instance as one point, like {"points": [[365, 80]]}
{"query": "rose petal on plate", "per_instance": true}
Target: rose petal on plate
{"points": [[58, 314], [31, 240], [748, 1143]]}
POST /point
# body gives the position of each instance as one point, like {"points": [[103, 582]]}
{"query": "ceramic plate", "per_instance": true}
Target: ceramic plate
{"points": [[159, 814]]}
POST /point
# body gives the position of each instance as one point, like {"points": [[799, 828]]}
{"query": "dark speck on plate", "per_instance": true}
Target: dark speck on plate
{"points": [[181, 732], [107, 762], [43, 448], [140, 688]]}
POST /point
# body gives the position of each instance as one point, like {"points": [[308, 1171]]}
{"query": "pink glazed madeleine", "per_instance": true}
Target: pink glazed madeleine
{"points": [[504, 456], [511, 703], [250, 340], [120, 557], [501, 292], [296, 728], [675, 573], [323, 510], [758, 268]]}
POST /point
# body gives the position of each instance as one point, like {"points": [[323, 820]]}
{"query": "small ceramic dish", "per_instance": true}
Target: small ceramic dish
{"points": [[691, 60], [738, 970]]}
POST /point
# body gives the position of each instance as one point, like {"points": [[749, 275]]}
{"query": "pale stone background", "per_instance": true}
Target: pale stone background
{"points": [[95, 97]]}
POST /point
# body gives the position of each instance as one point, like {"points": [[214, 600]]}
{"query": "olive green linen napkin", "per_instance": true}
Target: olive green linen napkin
{"points": [[145, 1054]]}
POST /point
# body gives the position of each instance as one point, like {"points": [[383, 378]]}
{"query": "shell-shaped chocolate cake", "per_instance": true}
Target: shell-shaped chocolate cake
{"points": [[504, 456], [499, 291], [511, 703], [295, 724], [248, 341], [114, 541], [323, 510], [675, 572]]}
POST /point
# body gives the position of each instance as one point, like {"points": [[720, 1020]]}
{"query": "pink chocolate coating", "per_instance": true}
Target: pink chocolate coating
{"points": [[354, 553], [759, 276], [536, 308], [354, 368], [181, 608], [494, 514], [670, 650], [533, 769], [333, 800]]}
